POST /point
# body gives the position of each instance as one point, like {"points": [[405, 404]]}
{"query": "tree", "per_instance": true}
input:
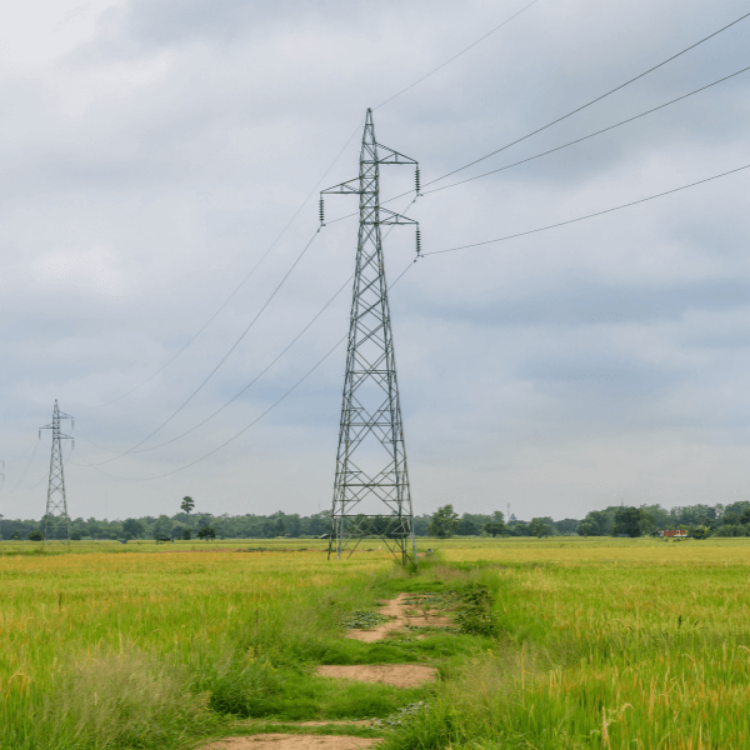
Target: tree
{"points": [[206, 533], [133, 527], [36, 536], [187, 505], [495, 528], [444, 522], [628, 522], [539, 528], [466, 526], [186, 534], [163, 529], [598, 523], [567, 526]]}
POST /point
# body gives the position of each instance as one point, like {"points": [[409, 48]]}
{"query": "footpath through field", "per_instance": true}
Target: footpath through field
{"points": [[401, 616]]}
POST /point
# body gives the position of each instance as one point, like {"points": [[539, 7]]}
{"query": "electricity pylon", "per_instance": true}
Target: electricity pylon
{"points": [[57, 505], [371, 490], [2, 479]]}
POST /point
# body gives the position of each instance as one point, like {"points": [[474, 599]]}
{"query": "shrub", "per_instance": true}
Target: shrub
{"points": [[474, 615]]}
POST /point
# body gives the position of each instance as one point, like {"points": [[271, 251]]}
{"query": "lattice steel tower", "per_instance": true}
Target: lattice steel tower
{"points": [[57, 505], [371, 491]]}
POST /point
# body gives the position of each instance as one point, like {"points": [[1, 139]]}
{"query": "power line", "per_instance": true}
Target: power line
{"points": [[456, 56], [586, 137], [237, 288], [26, 468], [557, 148], [588, 216], [223, 359], [257, 377], [251, 424], [297, 212], [590, 103]]}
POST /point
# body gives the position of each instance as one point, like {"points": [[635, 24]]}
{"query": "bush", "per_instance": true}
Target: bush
{"points": [[36, 536], [474, 615]]}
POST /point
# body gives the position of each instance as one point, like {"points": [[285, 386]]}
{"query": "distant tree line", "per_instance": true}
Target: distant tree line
{"points": [[698, 520]]}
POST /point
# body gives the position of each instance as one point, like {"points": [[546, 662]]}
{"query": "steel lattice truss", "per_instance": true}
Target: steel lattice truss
{"points": [[371, 490], [57, 505]]}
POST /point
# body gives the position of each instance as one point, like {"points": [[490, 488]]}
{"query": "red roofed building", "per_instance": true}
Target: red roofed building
{"points": [[676, 533]]}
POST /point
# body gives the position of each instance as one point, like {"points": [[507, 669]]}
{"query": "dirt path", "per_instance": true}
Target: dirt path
{"points": [[291, 742], [406, 611], [398, 675]]}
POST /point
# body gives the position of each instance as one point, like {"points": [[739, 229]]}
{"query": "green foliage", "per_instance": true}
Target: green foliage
{"points": [[539, 528], [495, 528], [474, 615], [36, 536], [133, 527], [206, 533], [627, 521], [598, 523], [444, 522], [187, 505]]}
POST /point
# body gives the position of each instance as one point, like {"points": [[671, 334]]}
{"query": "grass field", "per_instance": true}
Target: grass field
{"points": [[592, 643]]}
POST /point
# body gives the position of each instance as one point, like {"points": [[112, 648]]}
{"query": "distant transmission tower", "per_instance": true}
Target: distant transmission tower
{"points": [[2, 479], [57, 505], [371, 492]]}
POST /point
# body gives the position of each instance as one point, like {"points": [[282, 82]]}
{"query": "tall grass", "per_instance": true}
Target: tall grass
{"points": [[120, 651], [629, 646]]}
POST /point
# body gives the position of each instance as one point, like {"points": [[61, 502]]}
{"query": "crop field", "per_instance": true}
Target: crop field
{"points": [[558, 643]]}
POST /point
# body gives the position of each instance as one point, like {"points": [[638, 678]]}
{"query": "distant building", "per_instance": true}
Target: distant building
{"points": [[673, 533]]}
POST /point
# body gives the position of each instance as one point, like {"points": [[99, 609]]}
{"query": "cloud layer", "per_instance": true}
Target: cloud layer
{"points": [[153, 151]]}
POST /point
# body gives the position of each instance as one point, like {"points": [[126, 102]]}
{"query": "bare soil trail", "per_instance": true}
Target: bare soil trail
{"points": [[406, 610], [291, 742], [398, 675]]}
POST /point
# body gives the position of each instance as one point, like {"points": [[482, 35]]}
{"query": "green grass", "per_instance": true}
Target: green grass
{"points": [[597, 644]]}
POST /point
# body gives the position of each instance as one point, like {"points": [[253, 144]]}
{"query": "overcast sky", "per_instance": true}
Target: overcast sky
{"points": [[152, 151]]}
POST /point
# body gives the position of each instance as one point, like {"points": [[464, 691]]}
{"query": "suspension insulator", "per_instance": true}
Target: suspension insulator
{"points": [[322, 212], [419, 243], [417, 181]]}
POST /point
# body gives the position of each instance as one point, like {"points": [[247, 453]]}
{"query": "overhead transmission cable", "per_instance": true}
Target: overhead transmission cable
{"points": [[586, 137], [234, 437], [263, 371], [24, 472], [237, 288], [456, 56], [223, 359], [588, 216], [257, 377], [557, 148], [297, 212], [270, 364], [591, 102]]}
